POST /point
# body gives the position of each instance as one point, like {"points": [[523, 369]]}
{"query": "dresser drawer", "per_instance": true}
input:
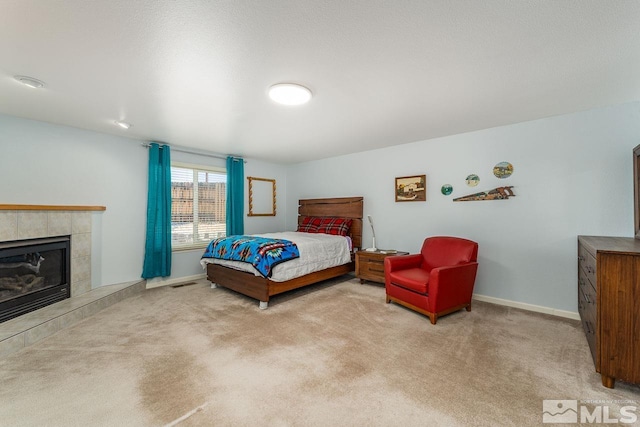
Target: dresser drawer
{"points": [[587, 303], [587, 307], [369, 256], [370, 265], [586, 291], [590, 326], [375, 266], [587, 263]]}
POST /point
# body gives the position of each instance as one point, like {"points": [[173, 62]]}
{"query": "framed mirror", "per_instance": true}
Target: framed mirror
{"points": [[262, 196]]}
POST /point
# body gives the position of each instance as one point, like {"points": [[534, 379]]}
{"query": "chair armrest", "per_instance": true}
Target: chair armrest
{"points": [[402, 262], [451, 286]]}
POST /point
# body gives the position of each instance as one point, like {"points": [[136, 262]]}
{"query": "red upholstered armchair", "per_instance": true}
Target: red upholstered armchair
{"points": [[437, 281]]}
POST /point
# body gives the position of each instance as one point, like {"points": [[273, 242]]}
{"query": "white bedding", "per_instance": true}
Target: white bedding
{"points": [[317, 252]]}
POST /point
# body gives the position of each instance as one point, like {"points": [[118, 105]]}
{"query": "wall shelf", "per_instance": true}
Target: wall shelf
{"points": [[50, 208]]}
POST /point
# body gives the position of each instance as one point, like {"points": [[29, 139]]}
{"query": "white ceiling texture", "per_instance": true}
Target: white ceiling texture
{"points": [[195, 73]]}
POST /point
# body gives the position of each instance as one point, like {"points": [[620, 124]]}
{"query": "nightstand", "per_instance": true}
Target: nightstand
{"points": [[370, 265]]}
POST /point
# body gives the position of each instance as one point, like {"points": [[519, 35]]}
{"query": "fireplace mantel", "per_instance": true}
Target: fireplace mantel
{"points": [[50, 208]]}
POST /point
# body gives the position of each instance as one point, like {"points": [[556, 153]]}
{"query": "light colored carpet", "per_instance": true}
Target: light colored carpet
{"points": [[328, 355]]}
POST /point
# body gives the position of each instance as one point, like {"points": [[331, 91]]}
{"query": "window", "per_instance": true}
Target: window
{"points": [[198, 205]]}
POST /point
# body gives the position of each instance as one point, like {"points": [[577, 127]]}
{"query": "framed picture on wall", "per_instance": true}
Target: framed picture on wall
{"points": [[411, 188]]}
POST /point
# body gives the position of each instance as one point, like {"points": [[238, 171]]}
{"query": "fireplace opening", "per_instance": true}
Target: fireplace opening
{"points": [[33, 274]]}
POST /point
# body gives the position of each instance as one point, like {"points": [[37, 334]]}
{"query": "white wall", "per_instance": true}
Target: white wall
{"points": [[47, 164], [572, 175], [41, 163]]}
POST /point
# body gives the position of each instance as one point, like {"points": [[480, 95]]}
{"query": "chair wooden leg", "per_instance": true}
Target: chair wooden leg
{"points": [[388, 299], [468, 308], [434, 318]]}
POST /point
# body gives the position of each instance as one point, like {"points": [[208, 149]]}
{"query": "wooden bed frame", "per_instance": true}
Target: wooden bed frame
{"points": [[262, 288]]}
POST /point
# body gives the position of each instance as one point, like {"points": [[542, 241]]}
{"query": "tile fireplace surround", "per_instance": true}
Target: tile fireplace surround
{"points": [[19, 222], [34, 221]]}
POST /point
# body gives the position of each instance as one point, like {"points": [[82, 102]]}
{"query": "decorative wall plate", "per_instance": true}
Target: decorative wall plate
{"points": [[472, 180], [503, 170], [446, 189]]}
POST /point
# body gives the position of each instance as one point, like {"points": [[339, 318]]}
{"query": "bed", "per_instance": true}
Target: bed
{"points": [[262, 288]]}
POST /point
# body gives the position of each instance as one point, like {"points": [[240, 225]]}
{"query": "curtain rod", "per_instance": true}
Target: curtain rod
{"points": [[182, 150]]}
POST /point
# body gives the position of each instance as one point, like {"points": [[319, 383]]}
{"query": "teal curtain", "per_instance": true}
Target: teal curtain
{"points": [[157, 254], [235, 196]]}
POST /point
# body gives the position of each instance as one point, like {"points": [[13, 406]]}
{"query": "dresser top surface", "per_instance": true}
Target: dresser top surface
{"points": [[611, 244]]}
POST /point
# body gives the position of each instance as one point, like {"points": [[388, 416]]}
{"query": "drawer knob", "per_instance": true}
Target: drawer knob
{"points": [[580, 258], [589, 328]]}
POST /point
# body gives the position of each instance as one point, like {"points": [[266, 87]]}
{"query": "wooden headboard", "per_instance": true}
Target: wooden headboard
{"points": [[342, 207]]}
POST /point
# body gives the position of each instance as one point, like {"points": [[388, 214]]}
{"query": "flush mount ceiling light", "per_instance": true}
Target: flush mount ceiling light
{"points": [[30, 82], [123, 125], [289, 94]]}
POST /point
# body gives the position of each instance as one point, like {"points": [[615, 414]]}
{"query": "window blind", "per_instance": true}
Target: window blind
{"points": [[198, 206]]}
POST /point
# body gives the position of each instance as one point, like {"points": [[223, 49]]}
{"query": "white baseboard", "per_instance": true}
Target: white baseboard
{"points": [[528, 307], [156, 282]]}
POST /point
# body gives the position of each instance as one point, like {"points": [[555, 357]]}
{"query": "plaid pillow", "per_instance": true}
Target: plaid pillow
{"points": [[337, 226], [307, 228], [309, 224]]}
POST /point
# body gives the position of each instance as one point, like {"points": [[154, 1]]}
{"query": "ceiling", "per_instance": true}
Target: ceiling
{"points": [[195, 73]]}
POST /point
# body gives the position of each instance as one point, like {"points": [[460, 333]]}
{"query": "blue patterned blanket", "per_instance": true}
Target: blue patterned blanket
{"points": [[261, 252]]}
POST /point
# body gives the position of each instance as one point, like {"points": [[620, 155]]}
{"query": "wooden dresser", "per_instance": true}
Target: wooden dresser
{"points": [[609, 305]]}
